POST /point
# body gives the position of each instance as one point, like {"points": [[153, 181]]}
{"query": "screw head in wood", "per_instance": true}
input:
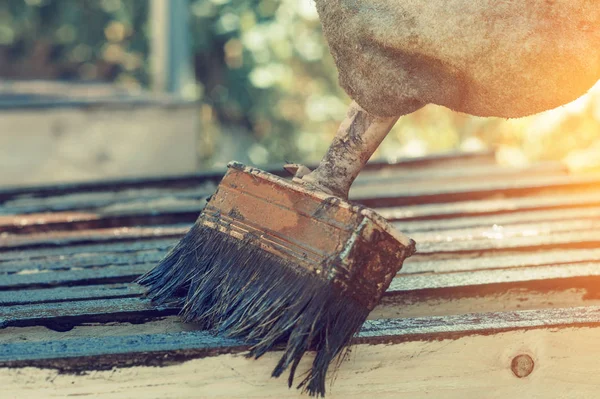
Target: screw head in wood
{"points": [[522, 365]]}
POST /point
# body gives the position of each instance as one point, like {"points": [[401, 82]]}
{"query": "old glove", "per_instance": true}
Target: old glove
{"points": [[482, 57]]}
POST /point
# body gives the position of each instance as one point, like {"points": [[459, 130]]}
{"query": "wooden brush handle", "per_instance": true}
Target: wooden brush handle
{"points": [[356, 140]]}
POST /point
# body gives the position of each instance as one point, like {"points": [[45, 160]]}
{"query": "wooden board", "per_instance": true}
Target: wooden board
{"points": [[65, 131], [508, 264]]}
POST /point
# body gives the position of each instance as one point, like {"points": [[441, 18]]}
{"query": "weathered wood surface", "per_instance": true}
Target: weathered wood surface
{"points": [[565, 365], [65, 131], [508, 261], [388, 331]]}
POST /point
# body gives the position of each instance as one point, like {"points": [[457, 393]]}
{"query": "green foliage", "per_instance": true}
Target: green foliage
{"points": [[86, 39], [265, 66], [264, 71]]}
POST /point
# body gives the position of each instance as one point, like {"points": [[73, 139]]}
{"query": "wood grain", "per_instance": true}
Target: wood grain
{"points": [[483, 289], [565, 365]]}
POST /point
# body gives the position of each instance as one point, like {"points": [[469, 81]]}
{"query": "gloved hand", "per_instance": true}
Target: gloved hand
{"points": [[482, 57]]}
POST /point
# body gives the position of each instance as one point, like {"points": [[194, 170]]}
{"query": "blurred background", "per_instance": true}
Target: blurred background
{"points": [[93, 89]]}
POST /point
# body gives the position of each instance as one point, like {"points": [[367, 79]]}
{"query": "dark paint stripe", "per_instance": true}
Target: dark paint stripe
{"points": [[39, 314], [67, 294], [82, 261], [541, 278], [80, 250], [372, 332], [111, 274]]}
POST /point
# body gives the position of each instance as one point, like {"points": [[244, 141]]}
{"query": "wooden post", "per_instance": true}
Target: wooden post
{"points": [[170, 46]]}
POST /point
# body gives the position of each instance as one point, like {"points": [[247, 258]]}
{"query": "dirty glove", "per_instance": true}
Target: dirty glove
{"points": [[482, 57]]}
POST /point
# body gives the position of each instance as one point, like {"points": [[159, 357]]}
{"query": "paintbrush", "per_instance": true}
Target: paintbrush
{"points": [[288, 264]]}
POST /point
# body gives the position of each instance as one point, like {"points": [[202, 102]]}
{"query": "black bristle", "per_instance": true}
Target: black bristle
{"points": [[234, 288]]}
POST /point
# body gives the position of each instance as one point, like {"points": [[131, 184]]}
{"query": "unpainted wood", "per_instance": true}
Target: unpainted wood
{"points": [[469, 367], [74, 144]]}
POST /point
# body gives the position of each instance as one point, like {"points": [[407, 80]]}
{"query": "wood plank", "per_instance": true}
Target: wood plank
{"points": [[62, 238], [87, 269], [574, 240], [97, 283], [372, 194], [535, 258], [561, 293], [81, 261], [373, 332], [111, 344], [121, 184], [413, 279], [420, 263], [126, 266], [61, 221], [163, 324], [169, 211], [434, 302], [422, 281], [409, 193], [85, 250], [110, 201], [491, 298], [577, 239], [565, 364], [498, 206], [499, 232], [513, 219], [458, 172], [555, 278], [92, 310], [417, 264], [453, 299], [466, 285], [103, 275], [441, 160], [69, 294], [517, 223]]}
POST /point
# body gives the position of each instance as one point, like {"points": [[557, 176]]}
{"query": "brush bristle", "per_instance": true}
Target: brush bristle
{"points": [[234, 288]]}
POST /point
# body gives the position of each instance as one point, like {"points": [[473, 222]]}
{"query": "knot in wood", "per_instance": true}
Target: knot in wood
{"points": [[522, 365]]}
